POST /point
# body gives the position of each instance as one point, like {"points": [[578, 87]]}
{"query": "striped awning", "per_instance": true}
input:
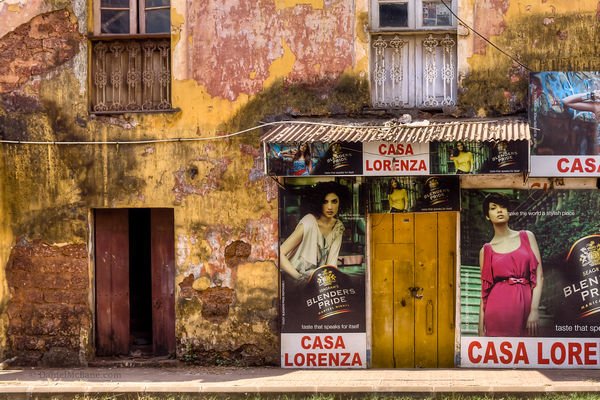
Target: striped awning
{"points": [[413, 132]]}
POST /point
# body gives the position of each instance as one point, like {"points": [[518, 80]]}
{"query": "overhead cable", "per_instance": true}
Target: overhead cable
{"points": [[484, 38]]}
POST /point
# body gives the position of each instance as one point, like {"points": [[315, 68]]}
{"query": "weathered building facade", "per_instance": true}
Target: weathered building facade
{"points": [[135, 211]]}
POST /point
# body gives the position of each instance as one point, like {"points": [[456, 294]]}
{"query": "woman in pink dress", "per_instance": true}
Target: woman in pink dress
{"points": [[511, 276]]}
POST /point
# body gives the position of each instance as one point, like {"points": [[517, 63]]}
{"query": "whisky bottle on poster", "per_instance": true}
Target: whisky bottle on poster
{"points": [[581, 291]]}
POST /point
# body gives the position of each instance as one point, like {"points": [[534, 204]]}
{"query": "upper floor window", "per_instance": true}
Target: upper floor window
{"points": [[411, 14], [132, 17], [413, 53], [131, 56]]}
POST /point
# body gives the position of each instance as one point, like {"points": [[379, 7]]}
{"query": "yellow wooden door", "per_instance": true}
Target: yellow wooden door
{"points": [[412, 279]]}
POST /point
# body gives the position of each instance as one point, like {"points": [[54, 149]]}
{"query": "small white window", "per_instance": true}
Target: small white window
{"points": [[395, 14], [413, 71], [412, 14], [413, 53]]}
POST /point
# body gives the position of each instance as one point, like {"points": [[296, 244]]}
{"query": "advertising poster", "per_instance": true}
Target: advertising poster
{"points": [[530, 278], [563, 116], [392, 158], [322, 263], [302, 159], [414, 194], [500, 157]]}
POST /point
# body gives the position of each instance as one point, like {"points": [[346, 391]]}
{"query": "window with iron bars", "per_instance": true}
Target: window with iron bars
{"points": [[131, 56], [413, 53]]}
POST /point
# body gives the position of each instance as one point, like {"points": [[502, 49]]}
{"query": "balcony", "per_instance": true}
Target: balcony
{"points": [[413, 71], [131, 75]]}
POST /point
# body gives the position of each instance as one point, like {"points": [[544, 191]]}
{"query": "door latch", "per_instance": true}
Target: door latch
{"points": [[414, 292]]}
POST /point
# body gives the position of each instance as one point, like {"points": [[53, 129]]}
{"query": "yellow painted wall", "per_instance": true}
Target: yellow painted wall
{"points": [[542, 36], [6, 241], [215, 185]]}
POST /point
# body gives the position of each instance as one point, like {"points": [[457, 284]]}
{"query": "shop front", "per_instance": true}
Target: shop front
{"points": [[370, 227], [545, 312], [541, 293]]}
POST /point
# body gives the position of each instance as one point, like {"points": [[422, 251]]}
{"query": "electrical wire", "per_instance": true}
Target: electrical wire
{"points": [[145, 141], [262, 125], [197, 139], [485, 39]]}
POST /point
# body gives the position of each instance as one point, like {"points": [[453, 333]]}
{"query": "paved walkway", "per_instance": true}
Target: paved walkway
{"points": [[221, 380]]}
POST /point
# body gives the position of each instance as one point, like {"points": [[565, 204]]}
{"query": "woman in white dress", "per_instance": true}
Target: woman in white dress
{"points": [[317, 239]]}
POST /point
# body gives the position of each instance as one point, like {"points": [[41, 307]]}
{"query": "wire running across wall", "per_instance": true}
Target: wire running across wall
{"points": [[484, 38]]}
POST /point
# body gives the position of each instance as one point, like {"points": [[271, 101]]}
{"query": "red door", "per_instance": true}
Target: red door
{"points": [[114, 306], [112, 282], [163, 281]]}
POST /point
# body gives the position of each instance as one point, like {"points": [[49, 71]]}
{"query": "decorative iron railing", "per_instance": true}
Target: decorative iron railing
{"points": [[414, 71], [131, 75]]}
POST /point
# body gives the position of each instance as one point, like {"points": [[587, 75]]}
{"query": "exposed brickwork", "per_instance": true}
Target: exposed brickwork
{"points": [[45, 42], [237, 252], [48, 310], [216, 303]]}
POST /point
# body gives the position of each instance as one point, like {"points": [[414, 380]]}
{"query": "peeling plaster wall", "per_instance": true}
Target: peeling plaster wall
{"points": [[225, 208], [251, 44], [261, 52], [6, 241], [36, 47], [17, 12], [544, 36]]}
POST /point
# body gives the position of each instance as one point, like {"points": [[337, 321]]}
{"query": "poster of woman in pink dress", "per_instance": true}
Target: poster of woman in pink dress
{"points": [[531, 266], [511, 276]]}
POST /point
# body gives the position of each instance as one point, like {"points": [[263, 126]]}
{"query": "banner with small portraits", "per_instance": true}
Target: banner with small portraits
{"points": [[477, 157], [314, 158], [381, 158], [414, 194], [540, 278]]}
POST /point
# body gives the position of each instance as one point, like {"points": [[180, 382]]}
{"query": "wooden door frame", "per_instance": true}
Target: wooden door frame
{"points": [[113, 339]]}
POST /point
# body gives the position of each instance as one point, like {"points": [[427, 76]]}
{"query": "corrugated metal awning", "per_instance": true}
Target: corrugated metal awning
{"points": [[413, 132]]}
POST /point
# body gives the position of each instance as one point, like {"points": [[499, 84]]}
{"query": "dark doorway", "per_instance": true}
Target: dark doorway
{"points": [[140, 282], [135, 271]]}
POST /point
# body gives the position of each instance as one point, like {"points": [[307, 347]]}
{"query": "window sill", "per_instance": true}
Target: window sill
{"points": [[167, 111], [124, 36], [412, 31]]}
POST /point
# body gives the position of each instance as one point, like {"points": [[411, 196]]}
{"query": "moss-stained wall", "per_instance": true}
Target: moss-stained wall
{"points": [[541, 35], [6, 241], [269, 58]]}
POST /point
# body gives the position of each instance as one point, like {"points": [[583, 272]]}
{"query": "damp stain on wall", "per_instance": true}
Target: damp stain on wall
{"points": [[547, 36]]}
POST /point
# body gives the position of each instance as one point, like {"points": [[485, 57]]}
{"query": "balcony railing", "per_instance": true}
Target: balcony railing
{"points": [[418, 70], [131, 75]]}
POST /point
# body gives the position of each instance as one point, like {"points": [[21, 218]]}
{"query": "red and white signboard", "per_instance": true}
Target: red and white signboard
{"points": [[514, 352], [563, 117], [391, 158], [323, 350], [567, 166]]}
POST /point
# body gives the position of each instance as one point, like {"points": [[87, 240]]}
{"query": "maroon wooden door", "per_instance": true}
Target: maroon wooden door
{"points": [[112, 281], [163, 280]]}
